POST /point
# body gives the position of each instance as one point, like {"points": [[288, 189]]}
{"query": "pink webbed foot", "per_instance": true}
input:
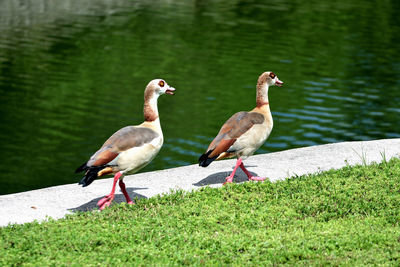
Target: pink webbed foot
{"points": [[123, 189], [105, 201], [251, 177], [228, 180]]}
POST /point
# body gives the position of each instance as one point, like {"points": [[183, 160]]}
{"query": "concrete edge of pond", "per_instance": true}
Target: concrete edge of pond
{"points": [[57, 201]]}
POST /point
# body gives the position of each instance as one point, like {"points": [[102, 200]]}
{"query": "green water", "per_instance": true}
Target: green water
{"points": [[73, 72]]}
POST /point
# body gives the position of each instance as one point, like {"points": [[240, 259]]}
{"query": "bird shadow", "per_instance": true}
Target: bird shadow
{"points": [[219, 178], [119, 198]]}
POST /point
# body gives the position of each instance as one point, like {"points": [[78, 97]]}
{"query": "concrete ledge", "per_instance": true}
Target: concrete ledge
{"points": [[57, 201]]}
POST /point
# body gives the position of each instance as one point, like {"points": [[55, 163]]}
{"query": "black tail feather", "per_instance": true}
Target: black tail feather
{"points": [[204, 160], [90, 175], [82, 168]]}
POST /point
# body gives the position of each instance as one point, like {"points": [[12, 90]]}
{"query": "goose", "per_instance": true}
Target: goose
{"points": [[244, 132], [129, 149]]}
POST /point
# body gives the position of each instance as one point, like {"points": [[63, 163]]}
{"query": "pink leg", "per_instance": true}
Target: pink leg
{"points": [[251, 177], [106, 201], [229, 179], [123, 189]]}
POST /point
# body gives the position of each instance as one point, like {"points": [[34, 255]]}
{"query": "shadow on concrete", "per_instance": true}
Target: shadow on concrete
{"points": [[119, 198], [219, 178]]}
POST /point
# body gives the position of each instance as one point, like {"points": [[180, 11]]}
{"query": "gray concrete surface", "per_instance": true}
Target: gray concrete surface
{"points": [[57, 201]]}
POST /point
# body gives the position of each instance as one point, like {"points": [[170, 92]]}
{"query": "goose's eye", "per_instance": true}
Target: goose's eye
{"points": [[161, 83], [272, 75]]}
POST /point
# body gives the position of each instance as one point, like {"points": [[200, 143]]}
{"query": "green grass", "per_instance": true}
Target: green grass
{"points": [[340, 217]]}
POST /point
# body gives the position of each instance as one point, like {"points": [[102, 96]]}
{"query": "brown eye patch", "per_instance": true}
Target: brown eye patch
{"points": [[161, 83], [272, 75]]}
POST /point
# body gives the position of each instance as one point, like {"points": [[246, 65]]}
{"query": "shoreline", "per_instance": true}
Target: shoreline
{"points": [[57, 201]]}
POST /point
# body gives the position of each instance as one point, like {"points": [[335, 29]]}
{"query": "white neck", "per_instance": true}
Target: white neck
{"points": [[153, 103], [262, 95]]}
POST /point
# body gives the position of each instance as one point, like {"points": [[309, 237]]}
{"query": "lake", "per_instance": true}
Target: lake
{"points": [[74, 72]]}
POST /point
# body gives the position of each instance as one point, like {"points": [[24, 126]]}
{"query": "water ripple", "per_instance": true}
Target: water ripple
{"points": [[301, 117]]}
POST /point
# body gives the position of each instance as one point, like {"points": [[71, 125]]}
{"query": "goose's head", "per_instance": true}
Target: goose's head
{"points": [[154, 89], [269, 78], [160, 87]]}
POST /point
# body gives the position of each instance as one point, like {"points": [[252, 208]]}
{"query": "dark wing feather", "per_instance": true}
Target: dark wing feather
{"points": [[124, 139], [232, 129]]}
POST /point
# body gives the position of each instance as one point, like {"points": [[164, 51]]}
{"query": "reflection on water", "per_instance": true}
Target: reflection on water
{"points": [[73, 72]]}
